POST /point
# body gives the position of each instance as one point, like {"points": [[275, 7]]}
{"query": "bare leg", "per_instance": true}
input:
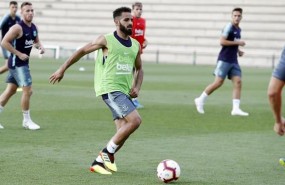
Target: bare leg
{"points": [[237, 84], [125, 127], [275, 98], [7, 94], [218, 82], [119, 123], [4, 68], [26, 95], [236, 80], [199, 102]]}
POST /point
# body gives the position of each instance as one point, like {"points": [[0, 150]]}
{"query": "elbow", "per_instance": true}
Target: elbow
{"points": [[4, 43]]}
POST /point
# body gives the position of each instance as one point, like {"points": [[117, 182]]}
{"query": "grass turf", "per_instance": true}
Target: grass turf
{"points": [[214, 148]]}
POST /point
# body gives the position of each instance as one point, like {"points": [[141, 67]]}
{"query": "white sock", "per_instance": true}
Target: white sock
{"points": [[203, 96], [99, 159], [112, 147], [236, 103], [26, 115]]}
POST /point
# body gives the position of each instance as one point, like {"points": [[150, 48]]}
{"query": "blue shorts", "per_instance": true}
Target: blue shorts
{"points": [[20, 76], [5, 53], [224, 69], [279, 71], [119, 103]]}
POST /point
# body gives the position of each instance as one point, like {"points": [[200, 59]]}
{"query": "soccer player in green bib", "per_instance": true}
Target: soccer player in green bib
{"points": [[118, 78]]}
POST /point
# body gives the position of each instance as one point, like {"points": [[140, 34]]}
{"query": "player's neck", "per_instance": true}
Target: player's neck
{"points": [[28, 23], [122, 35], [235, 25], [136, 16], [13, 16]]}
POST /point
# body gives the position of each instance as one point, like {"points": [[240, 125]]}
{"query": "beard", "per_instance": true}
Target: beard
{"points": [[125, 30]]}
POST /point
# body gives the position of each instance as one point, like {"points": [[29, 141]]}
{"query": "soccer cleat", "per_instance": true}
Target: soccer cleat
{"points": [[1, 127], [109, 161], [137, 104], [199, 106], [30, 125], [100, 168], [238, 112]]}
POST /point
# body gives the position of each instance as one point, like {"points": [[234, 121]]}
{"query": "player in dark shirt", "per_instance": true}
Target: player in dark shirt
{"points": [[7, 22], [19, 41], [227, 65]]}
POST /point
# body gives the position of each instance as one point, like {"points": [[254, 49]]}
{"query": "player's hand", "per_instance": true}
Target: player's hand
{"points": [[23, 56], [145, 43], [240, 53], [279, 128], [41, 50], [134, 92], [56, 77], [241, 43]]}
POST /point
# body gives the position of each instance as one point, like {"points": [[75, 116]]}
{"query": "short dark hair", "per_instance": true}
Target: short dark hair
{"points": [[237, 10], [26, 3], [13, 3], [118, 12], [136, 4]]}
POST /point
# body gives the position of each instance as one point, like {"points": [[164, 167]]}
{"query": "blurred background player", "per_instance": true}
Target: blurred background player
{"points": [[275, 87], [23, 35], [227, 65], [138, 33], [7, 22]]}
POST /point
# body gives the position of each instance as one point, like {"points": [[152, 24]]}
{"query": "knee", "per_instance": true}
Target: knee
{"points": [[28, 92], [238, 82], [137, 122], [271, 93]]}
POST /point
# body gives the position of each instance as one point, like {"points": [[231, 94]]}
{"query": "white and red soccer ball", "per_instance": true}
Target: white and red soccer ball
{"points": [[168, 170]]}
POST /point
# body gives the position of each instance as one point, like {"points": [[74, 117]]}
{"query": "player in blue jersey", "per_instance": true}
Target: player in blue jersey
{"points": [[7, 22], [227, 65], [275, 87], [19, 41]]}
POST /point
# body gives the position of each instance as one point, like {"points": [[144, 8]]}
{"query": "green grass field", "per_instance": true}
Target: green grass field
{"points": [[212, 149]]}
